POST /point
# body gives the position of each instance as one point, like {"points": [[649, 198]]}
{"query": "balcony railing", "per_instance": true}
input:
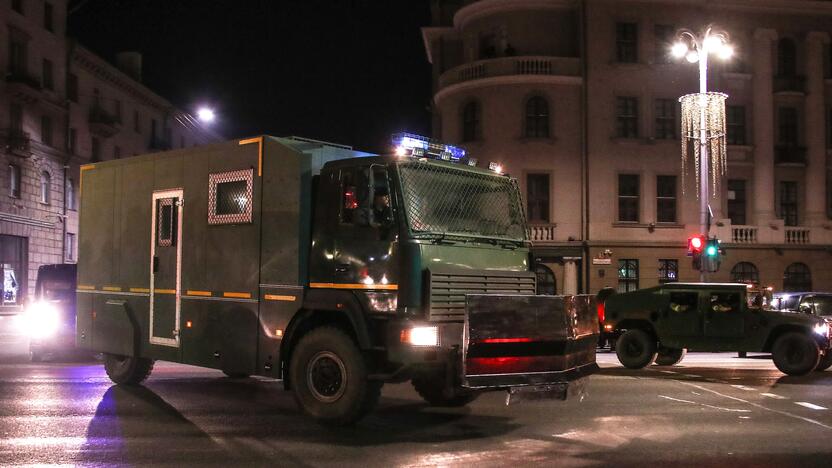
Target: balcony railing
{"points": [[797, 235], [744, 234], [788, 154], [789, 83], [508, 66], [541, 232], [14, 141], [102, 122], [24, 78]]}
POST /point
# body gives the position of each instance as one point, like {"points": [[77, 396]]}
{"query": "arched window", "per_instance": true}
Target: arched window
{"points": [[70, 194], [45, 187], [745, 272], [537, 118], [546, 282], [797, 277], [471, 121], [786, 57]]}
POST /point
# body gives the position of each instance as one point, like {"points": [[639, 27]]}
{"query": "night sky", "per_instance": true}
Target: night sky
{"points": [[348, 71]]}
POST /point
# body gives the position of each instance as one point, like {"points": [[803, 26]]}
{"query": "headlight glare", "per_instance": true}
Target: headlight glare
{"points": [[41, 320], [822, 329], [421, 336], [382, 301]]}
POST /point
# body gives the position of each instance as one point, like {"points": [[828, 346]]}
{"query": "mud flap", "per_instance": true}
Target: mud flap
{"points": [[531, 346]]}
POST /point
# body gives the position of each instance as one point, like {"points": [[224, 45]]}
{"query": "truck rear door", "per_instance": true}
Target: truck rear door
{"points": [[165, 267]]}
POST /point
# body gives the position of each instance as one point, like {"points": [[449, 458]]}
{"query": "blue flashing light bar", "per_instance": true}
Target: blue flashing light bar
{"points": [[424, 147]]}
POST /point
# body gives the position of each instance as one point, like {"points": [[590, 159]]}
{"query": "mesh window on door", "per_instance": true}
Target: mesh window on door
{"points": [[167, 222], [230, 197]]}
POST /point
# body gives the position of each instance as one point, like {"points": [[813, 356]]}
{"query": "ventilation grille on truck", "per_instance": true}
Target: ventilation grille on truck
{"points": [[447, 290]]}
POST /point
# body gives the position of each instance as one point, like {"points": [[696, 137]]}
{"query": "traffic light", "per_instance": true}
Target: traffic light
{"points": [[712, 256], [696, 246]]}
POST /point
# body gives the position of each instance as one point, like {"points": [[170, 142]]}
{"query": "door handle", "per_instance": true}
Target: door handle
{"points": [[155, 264], [342, 268]]}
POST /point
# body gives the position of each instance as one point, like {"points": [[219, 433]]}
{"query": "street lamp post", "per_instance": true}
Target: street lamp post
{"points": [[703, 117]]}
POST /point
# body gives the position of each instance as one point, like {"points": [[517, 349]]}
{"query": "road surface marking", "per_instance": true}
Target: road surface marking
{"points": [[668, 372], [809, 405], [776, 397], [743, 387], [733, 410], [784, 413], [691, 376]]}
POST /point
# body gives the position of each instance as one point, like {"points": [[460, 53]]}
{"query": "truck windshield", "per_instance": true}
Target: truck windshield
{"points": [[441, 199], [55, 290]]}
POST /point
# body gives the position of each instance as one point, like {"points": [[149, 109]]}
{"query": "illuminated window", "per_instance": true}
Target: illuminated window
{"points": [[745, 272], [627, 275], [668, 270], [230, 197], [45, 187], [797, 277]]}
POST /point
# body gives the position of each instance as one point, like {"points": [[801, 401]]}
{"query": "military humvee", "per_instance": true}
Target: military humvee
{"points": [[660, 324]]}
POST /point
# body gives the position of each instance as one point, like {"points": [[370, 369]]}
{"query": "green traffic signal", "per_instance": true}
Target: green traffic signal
{"points": [[711, 251]]}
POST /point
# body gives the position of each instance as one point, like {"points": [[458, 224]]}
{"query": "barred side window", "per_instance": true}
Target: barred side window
{"points": [[230, 197], [166, 224]]}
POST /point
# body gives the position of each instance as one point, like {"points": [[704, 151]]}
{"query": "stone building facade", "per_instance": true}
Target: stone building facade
{"points": [[578, 100], [61, 106]]}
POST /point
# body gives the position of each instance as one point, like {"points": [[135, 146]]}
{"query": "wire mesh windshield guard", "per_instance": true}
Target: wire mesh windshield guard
{"points": [[441, 199], [704, 111]]}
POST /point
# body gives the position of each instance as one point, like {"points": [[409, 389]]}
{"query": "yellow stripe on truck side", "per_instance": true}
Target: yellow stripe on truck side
{"points": [[387, 287], [237, 295], [277, 297]]}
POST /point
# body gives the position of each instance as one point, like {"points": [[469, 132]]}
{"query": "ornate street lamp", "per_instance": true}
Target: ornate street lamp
{"points": [[703, 117]]}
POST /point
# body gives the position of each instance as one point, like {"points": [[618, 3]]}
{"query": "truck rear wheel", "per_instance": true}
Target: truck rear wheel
{"points": [[432, 389], [795, 353], [329, 378], [636, 349], [127, 370], [825, 362], [670, 356]]}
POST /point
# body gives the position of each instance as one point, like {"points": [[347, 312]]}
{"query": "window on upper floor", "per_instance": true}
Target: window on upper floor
{"points": [[471, 121], [70, 194], [736, 201], [70, 247], [136, 121], [626, 117], [666, 199], [14, 181], [537, 118], [95, 150], [626, 42], [72, 87], [788, 203], [16, 117], [45, 188], [628, 197], [786, 57], [537, 197], [665, 119], [787, 132], [72, 140], [735, 125], [46, 130], [48, 78], [664, 36], [488, 45], [829, 127], [116, 152], [48, 16], [17, 56], [17, 5], [117, 110]]}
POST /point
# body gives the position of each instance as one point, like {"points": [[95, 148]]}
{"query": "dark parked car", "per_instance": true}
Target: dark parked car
{"points": [[50, 317], [661, 323]]}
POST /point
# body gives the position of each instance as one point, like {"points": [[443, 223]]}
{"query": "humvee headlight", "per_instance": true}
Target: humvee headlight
{"points": [[41, 320], [382, 301], [822, 329], [421, 336]]}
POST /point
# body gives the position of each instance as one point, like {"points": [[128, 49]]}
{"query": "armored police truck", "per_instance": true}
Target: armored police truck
{"points": [[333, 270]]}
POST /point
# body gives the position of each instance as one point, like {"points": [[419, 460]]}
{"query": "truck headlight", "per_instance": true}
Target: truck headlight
{"points": [[41, 320], [382, 301], [822, 329], [421, 336]]}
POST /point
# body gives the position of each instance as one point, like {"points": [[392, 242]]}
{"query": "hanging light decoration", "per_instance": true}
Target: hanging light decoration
{"points": [[704, 112]]}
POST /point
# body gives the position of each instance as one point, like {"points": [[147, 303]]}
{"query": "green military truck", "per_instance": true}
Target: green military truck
{"points": [[332, 270], [660, 324]]}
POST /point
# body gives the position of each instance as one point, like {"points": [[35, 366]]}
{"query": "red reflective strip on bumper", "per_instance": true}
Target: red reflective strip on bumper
{"points": [[506, 340], [512, 365]]}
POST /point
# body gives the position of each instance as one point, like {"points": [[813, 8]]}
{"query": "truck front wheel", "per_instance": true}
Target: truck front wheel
{"points": [[636, 349], [795, 353], [329, 378], [670, 356], [127, 370], [432, 388]]}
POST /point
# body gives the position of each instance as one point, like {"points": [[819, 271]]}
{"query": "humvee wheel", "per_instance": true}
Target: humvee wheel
{"points": [[795, 353], [825, 362], [636, 349], [670, 356], [127, 370], [432, 389], [329, 378]]}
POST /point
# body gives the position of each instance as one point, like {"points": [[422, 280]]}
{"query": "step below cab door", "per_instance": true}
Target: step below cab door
{"points": [[166, 267]]}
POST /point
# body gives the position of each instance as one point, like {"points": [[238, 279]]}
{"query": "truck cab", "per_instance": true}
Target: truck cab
{"points": [[50, 318]]}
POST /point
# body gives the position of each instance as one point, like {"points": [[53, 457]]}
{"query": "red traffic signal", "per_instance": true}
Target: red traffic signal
{"points": [[696, 244]]}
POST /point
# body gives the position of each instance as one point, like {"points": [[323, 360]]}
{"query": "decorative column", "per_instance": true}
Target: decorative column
{"points": [[570, 275], [763, 126], [815, 194]]}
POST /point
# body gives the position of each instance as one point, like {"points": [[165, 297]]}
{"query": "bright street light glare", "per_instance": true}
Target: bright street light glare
{"points": [[692, 56], [726, 52], [679, 49], [205, 114], [713, 43]]}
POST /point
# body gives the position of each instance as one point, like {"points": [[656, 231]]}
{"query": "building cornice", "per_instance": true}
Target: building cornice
{"points": [[483, 8], [430, 34], [507, 80], [806, 7]]}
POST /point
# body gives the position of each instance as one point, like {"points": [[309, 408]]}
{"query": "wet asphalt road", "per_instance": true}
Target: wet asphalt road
{"points": [[713, 410]]}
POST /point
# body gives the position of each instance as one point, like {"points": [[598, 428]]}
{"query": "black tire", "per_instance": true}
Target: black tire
{"points": [[127, 370], [670, 356], [742, 354], [432, 390], [236, 375], [636, 349], [795, 353], [825, 362], [329, 378]]}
